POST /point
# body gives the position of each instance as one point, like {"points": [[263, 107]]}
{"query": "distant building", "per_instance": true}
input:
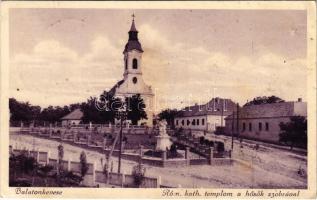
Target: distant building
{"points": [[261, 122], [205, 117], [73, 118]]}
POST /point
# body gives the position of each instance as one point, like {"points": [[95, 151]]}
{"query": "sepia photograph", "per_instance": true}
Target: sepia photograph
{"points": [[165, 98]]}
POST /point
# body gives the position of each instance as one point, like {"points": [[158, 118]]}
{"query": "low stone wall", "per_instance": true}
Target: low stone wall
{"points": [[198, 161], [125, 180], [221, 161]]}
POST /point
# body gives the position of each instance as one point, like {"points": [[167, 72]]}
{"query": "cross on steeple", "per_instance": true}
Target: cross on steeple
{"points": [[133, 16]]}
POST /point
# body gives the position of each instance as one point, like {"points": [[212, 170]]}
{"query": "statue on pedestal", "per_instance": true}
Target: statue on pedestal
{"points": [[163, 141]]}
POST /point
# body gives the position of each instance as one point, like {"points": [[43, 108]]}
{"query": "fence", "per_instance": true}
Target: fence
{"points": [[93, 177], [70, 137]]}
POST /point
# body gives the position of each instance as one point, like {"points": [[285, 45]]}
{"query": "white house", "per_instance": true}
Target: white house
{"points": [[207, 117], [73, 118]]}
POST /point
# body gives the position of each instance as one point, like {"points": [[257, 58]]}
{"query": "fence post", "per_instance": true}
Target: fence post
{"points": [[122, 179], [68, 165], [187, 156], [37, 156], [163, 158], [104, 143], [47, 157], [158, 182], [211, 154], [94, 173], [141, 154]]}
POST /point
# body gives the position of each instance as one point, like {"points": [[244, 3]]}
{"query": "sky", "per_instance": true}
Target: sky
{"points": [[64, 56]]}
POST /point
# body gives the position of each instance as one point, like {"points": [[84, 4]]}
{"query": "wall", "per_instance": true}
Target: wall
{"points": [[201, 126], [270, 135]]}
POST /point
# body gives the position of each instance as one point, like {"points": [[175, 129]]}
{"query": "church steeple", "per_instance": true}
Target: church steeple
{"points": [[133, 42]]}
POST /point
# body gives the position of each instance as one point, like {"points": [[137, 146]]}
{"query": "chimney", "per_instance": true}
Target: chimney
{"points": [[299, 99]]}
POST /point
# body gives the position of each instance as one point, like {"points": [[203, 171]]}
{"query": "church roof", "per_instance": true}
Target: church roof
{"points": [[133, 42], [77, 114], [112, 91], [133, 27]]}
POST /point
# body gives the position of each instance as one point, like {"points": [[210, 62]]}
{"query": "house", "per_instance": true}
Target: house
{"points": [[261, 122], [205, 117], [73, 118]]}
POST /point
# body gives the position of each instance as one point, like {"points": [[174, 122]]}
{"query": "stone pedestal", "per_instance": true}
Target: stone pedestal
{"points": [[163, 142]]}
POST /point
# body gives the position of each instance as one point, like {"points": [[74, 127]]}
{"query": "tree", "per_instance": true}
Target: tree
{"points": [[168, 115], [135, 108], [264, 100], [138, 173], [23, 111], [83, 164], [294, 132], [100, 110]]}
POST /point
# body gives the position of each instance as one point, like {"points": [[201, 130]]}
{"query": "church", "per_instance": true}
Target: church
{"points": [[132, 82]]}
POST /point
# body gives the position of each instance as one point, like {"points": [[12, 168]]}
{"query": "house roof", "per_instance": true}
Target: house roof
{"points": [[77, 114], [213, 107], [283, 109]]}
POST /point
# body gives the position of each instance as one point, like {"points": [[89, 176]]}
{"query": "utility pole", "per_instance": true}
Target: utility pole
{"points": [[232, 130], [122, 115], [120, 145], [238, 120]]}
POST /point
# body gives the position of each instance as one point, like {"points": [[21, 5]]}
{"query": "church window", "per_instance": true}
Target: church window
{"points": [[188, 122], [203, 122], [135, 63], [135, 80], [243, 126], [197, 122], [183, 122]]}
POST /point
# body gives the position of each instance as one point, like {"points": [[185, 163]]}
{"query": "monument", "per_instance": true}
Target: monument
{"points": [[163, 141]]}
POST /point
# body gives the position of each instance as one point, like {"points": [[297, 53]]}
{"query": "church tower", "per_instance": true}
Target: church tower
{"points": [[133, 82]]}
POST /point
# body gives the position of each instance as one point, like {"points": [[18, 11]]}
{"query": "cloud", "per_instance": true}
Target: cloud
{"points": [[56, 74]]}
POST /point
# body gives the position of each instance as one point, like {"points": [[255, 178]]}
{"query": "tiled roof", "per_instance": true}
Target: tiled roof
{"points": [[77, 114], [213, 107], [283, 109]]}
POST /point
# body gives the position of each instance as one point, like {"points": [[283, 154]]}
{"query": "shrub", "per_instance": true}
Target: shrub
{"points": [[138, 173]]}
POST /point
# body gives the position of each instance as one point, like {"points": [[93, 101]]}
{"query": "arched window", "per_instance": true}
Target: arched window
{"points": [[135, 63]]}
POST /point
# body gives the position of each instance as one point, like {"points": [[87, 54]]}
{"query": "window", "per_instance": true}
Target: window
{"points": [[250, 127], [197, 122], [183, 122], [194, 122], [266, 126], [126, 64], [135, 63], [203, 122], [135, 80], [243, 126], [260, 126], [176, 122], [188, 122]]}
